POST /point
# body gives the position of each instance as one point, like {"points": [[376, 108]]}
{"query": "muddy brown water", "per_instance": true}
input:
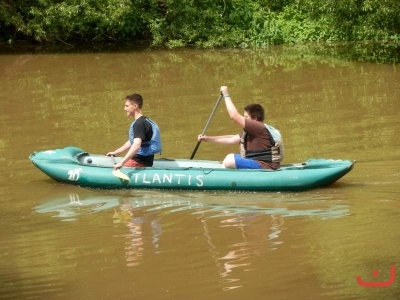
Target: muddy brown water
{"points": [[65, 242]]}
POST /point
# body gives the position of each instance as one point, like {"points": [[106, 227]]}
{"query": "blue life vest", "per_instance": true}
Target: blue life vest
{"points": [[149, 147]]}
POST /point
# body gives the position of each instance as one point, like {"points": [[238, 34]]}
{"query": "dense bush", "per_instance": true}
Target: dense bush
{"points": [[201, 23]]}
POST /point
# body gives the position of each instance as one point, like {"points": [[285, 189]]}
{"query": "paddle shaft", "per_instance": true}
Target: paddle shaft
{"points": [[208, 123]]}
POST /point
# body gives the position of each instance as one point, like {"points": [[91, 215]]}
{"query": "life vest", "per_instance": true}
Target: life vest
{"points": [[271, 154], [149, 147], [278, 150]]}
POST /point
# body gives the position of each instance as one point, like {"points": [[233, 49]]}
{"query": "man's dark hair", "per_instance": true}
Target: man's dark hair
{"points": [[135, 98], [255, 111]]}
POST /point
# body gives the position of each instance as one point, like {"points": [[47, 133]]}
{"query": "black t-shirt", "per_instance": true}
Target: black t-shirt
{"points": [[142, 129]]}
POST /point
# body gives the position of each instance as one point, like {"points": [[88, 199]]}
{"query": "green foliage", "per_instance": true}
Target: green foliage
{"points": [[10, 19], [201, 23], [189, 22], [298, 27], [92, 20], [358, 20]]}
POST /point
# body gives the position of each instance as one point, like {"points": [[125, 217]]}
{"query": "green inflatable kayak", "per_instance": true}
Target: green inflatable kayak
{"points": [[74, 166]]}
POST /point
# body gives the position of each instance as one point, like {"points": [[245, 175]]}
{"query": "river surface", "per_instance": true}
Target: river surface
{"points": [[65, 242]]}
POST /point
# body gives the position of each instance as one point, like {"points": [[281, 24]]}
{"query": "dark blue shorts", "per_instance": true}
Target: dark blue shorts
{"points": [[245, 163]]}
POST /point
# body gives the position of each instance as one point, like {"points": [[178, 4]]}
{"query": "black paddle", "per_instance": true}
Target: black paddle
{"points": [[208, 123]]}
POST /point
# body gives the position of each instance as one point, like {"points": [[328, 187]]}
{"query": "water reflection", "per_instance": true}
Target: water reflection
{"points": [[68, 207], [234, 228], [255, 235], [144, 228], [232, 208]]}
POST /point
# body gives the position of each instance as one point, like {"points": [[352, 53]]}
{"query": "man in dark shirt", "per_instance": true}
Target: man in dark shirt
{"points": [[144, 137], [259, 150]]}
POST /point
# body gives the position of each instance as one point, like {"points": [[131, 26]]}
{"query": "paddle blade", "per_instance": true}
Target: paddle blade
{"points": [[119, 174]]}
